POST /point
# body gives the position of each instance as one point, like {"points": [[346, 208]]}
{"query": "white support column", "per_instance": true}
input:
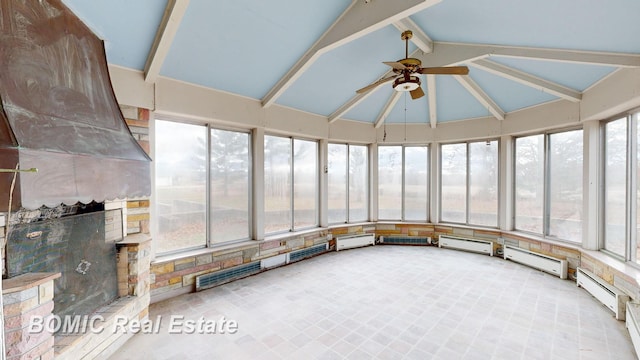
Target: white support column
{"points": [[257, 185], [373, 183], [434, 183], [506, 208], [590, 186], [324, 183]]}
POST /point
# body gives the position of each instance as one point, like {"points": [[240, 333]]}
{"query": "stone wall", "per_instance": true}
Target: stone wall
{"points": [[172, 276], [25, 297]]}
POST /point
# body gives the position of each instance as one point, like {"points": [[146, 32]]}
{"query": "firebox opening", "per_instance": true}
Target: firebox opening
{"points": [[73, 241]]}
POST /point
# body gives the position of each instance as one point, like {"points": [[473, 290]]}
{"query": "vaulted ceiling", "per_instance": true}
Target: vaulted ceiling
{"points": [[312, 55]]}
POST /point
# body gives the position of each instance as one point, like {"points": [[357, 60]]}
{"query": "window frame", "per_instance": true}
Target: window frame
{"points": [[317, 195], [207, 128], [546, 206], [403, 209], [347, 186], [631, 222], [467, 182]]}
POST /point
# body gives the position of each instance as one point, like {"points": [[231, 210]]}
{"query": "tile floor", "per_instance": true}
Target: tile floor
{"points": [[392, 302]]}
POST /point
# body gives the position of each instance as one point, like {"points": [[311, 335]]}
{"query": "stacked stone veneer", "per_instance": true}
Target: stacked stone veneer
{"points": [[176, 275], [24, 297]]}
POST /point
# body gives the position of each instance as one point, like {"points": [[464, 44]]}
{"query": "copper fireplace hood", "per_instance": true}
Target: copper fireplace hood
{"points": [[59, 115]]}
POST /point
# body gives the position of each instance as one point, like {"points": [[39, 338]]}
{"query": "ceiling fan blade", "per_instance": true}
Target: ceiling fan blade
{"points": [[394, 64], [374, 85], [447, 70], [417, 93]]}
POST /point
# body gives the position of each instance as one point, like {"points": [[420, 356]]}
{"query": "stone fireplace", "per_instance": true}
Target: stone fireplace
{"points": [[64, 219]]}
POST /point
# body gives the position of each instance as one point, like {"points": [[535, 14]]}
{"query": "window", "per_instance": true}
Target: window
{"points": [[529, 183], [403, 183], [230, 185], [181, 186], [469, 183], [347, 183], [615, 186], [565, 185], [290, 184], [548, 184], [185, 217]]}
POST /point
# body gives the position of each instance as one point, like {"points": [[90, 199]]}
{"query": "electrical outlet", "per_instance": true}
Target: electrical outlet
{"points": [[501, 241], [329, 237]]}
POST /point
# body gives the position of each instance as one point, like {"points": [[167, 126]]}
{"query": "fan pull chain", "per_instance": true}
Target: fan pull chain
{"points": [[405, 117]]}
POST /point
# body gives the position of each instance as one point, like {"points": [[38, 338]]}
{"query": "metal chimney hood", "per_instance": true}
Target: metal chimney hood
{"points": [[58, 113]]}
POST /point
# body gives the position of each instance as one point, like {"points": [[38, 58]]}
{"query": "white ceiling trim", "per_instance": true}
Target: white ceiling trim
{"points": [[455, 53], [361, 18], [387, 108], [431, 96], [353, 102], [529, 80], [173, 14], [419, 39], [482, 97]]}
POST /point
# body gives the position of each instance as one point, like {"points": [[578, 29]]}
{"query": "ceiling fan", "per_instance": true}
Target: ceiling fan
{"points": [[407, 70]]}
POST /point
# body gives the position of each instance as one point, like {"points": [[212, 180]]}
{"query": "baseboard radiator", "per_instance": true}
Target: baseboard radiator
{"points": [[307, 252], [609, 295], [210, 280], [461, 243], [549, 264], [353, 241], [631, 322], [405, 240]]}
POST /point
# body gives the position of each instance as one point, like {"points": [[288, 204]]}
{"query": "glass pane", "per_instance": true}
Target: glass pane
{"points": [[337, 183], [305, 185], [277, 184], [230, 164], [358, 183], [483, 183], [565, 185], [390, 182], [453, 187], [416, 180], [180, 182], [615, 176], [637, 122], [529, 183]]}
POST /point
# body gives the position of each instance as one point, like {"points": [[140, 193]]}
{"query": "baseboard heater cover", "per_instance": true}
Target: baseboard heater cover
{"points": [[549, 264], [307, 252], [609, 295], [405, 240], [467, 244], [632, 324], [274, 261], [216, 278], [353, 241]]}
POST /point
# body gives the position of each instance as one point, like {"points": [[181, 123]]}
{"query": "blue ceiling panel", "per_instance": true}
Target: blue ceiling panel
{"points": [[336, 75], [369, 109], [568, 24], [127, 27], [417, 111], [454, 102], [244, 46], [575, 76], [509, 95]]}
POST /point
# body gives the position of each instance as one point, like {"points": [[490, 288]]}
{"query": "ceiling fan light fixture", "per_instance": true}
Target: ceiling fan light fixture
{"points": [[403, 85]]}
